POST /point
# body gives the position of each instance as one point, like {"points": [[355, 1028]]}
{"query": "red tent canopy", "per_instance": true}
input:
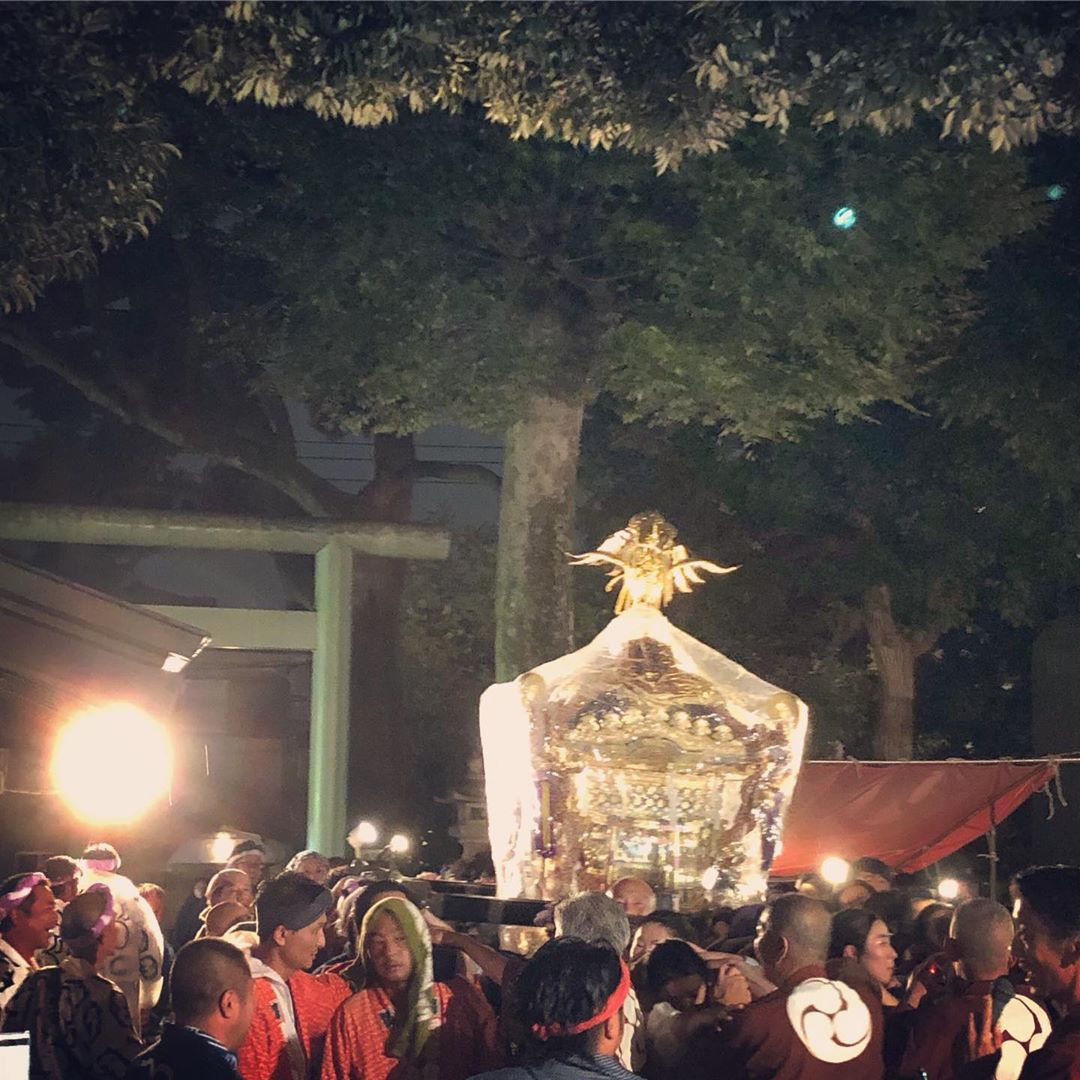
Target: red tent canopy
{"points": [[908, 814]]}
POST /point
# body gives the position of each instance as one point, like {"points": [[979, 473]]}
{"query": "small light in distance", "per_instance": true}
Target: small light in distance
{"points": [[221, 847], [710, 878], [1055, 192], [399, 843], [112, 763], [948, 888], [364, 835], [835, 870], [844, 217]]}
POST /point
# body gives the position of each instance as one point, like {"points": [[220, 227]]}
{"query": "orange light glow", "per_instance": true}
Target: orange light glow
{"points": [[111, 764]]}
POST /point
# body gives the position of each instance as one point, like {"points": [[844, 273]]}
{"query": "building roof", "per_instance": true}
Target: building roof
{"points": [[64, 642]]}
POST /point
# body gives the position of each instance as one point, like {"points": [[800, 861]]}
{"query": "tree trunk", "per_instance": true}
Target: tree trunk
{"points": [[380, 753], [533, 611], [894, 656]]}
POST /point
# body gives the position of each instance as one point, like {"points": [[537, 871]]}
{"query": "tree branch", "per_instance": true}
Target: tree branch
{"points": [[311, 493], [277, 415], [595, 289]]}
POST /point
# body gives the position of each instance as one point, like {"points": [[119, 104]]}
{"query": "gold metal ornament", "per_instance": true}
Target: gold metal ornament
{"points": [[646, 562]]}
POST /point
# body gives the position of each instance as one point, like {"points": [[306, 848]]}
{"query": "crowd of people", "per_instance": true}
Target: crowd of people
{"points": [[320, 972]]}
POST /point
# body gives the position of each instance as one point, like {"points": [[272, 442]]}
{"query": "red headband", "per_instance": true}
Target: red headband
{"points": [[614, 1003]]}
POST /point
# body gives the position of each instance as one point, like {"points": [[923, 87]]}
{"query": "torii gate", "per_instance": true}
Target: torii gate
{"points": [[326, 632]]}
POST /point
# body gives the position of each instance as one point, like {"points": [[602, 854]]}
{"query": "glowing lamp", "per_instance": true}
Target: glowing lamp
{"points": [[844, 217], [948, 888], [221, 847], [174, 663], [399, 843], [364, 835], [1055, 192], [835, 870], [111, 764]]}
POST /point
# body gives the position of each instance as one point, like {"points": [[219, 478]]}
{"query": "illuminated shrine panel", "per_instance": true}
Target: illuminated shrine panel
{"points": [[644, 753]]}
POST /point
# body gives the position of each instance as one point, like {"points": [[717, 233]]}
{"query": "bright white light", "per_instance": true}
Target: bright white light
{"points": [[364, 835], [835, 870], [174, 663], [112, 763], [752, 887], [844, 217], [399, 843], [710, 878], [221, 847], [948, 888], [513, 796]]}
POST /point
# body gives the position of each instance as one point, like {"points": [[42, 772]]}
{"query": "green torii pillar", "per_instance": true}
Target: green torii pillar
{"points": [[333, 543]]}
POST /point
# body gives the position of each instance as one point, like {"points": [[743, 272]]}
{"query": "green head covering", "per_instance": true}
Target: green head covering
{"points": [[421, 1016]]}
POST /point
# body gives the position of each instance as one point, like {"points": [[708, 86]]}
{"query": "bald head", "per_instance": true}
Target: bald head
{"points": [[982, 931], [793, 932], [634, 896], [202, 974]]}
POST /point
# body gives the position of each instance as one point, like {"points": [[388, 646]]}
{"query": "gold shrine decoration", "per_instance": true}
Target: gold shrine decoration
{"points": [[645, 752], [647, 562]]}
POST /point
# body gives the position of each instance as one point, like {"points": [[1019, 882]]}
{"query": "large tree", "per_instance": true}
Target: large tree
{"points": [[507, 285], [85, 152], [533, 275], [460, 276]]}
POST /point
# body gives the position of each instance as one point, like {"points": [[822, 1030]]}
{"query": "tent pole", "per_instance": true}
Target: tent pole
{"points": [[992, 855]]}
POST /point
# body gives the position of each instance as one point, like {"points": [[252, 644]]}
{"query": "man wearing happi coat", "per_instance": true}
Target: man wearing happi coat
{"points": [[137, 964], [292, 1008], [28, 918], [980, 944], [1048, 951], [810, 1027], [403, 1024]]}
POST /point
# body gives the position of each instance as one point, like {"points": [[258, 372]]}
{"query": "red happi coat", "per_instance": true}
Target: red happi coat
{"points": [[263, 1055], [804, 1031], [462, 1045], [1059, 1059], [938, 1036]]}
